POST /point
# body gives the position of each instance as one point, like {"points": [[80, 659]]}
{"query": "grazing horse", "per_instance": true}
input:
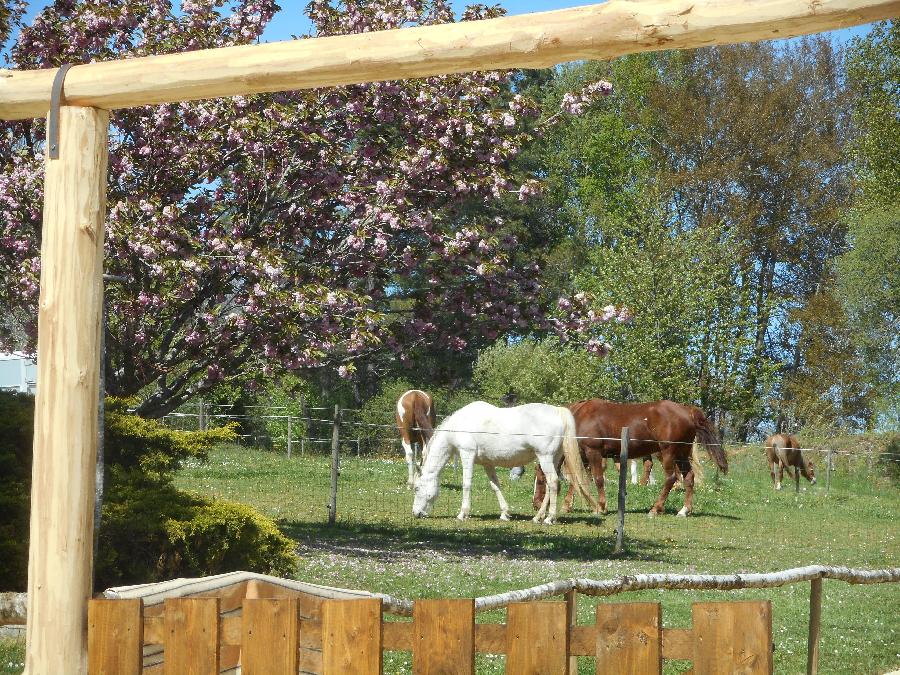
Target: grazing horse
{"points": [[784, 450], [662, 427], [415, 421], [484, 434]]}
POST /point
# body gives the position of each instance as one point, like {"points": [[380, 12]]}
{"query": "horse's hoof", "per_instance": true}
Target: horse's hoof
{"points": [[651, 514], [778, 486], [536, 519], [504, 516], [462, 516], [548, 521], [684, 513]]}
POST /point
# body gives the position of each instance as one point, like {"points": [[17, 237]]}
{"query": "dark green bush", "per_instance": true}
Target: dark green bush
{"points": [[16, 424], [150, 530]]}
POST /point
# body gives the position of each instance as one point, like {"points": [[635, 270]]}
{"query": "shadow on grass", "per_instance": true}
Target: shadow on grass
{"points": [[520, 539]]}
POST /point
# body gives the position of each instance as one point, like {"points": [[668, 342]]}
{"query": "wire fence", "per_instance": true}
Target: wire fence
{"points": [[364, 461]]}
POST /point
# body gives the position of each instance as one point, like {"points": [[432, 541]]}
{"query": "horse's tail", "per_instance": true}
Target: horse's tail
{"points": [[572, 458], [425, 421], [707, 435], [696, 465]]}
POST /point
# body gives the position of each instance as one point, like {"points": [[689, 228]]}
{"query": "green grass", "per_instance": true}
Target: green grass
{"points": [[739, 524], [12, 655]]}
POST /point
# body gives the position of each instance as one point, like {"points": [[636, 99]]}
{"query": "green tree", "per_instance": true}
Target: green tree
{"points": [[540, 371]]}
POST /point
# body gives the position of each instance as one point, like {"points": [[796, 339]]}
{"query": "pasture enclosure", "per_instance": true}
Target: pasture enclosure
{"points": [[269, 625], [347, 637], [65, 439]]}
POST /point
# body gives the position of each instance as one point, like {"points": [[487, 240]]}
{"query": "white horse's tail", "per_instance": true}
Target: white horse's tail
{"points": [[572, 458], [696, 465]]}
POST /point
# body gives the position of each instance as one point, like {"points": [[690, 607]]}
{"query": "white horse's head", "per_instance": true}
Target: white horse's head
{"points": [[427, 488]]}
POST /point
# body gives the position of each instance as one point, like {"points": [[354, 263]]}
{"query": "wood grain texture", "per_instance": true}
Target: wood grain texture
{"points": [[115, 637], [351, 637], [191, 640], [444, 637], [599, 31], [733, 637], [271, 637], [537, 638], [629, 638], [678, 644], [65, 417]]}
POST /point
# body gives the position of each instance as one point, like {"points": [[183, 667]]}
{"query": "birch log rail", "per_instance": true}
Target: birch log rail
{"points": [[599, 31]]}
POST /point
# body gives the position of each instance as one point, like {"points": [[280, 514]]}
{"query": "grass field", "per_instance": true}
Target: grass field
{"points": [[739, 524]]}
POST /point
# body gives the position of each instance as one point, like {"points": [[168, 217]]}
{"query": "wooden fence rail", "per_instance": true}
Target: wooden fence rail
{"points": [[280, 636]]}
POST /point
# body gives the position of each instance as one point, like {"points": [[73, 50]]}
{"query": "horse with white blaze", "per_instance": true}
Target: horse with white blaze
{"points": [[415, 422], [481, 433]]}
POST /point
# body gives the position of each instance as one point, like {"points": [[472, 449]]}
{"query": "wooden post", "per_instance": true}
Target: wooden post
{"points": [[289, 435], [815, 622], [335, 464], [65, 418], [623, 470], [572, 612], [304, 411]]}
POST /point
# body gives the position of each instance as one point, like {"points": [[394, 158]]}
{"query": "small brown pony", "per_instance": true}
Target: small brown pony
{"points": [[415, 422], [662, 427], [784, 450]]}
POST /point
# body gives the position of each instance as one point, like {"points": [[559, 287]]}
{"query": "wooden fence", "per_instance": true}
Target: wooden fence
{"points": [[272, 636]]}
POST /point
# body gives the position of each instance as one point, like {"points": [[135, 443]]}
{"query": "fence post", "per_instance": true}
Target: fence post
{"points": [[623, 469], [304, 411], [201, 420], [289, 434], [335, 458], [815, 621], [828, 470]]}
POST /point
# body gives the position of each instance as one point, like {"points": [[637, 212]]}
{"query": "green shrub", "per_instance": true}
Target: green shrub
{"points": [[149, 530], [16, 425], [222, 536]]}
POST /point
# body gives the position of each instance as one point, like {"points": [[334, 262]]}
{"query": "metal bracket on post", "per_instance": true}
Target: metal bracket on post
{"points": [[56, 99]]}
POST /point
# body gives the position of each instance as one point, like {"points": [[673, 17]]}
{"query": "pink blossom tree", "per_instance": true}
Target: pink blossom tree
{"points": [[294, 230]]}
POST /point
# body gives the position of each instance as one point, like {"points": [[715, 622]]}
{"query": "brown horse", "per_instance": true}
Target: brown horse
{"points": [[662, 427], [784, 450], [415, 421]]}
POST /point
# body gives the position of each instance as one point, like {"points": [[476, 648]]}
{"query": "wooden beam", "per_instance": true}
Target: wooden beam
{"points": [[65, 417], [600, 31]]}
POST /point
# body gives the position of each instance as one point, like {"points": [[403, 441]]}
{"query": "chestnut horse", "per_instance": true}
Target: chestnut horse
{"points": [[662, 427], [415, 421], [784, 450]]}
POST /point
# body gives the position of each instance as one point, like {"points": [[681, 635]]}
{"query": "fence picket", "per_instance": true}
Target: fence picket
{"points": [[351, 637], [733, 637], [270, 637], [115, 637], [444, 637], [629, 638], [537, 638], [191, 639]]}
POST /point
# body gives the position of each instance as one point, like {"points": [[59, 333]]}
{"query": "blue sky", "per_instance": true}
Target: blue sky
{"points": [[291, 20]]}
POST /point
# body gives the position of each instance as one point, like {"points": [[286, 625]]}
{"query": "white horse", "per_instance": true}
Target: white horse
{"points": [[484, 434]]}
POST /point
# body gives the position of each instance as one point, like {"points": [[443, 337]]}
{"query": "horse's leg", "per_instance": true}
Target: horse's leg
{"points": [[569, 501], [687, 473], [468, 465], [410, 463], [647, 477], [495, 484], [632, 465], [552, 491], [540, 487], [780, 475], [772, 470], [598, 469], [796, 479], [668, 464]]}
